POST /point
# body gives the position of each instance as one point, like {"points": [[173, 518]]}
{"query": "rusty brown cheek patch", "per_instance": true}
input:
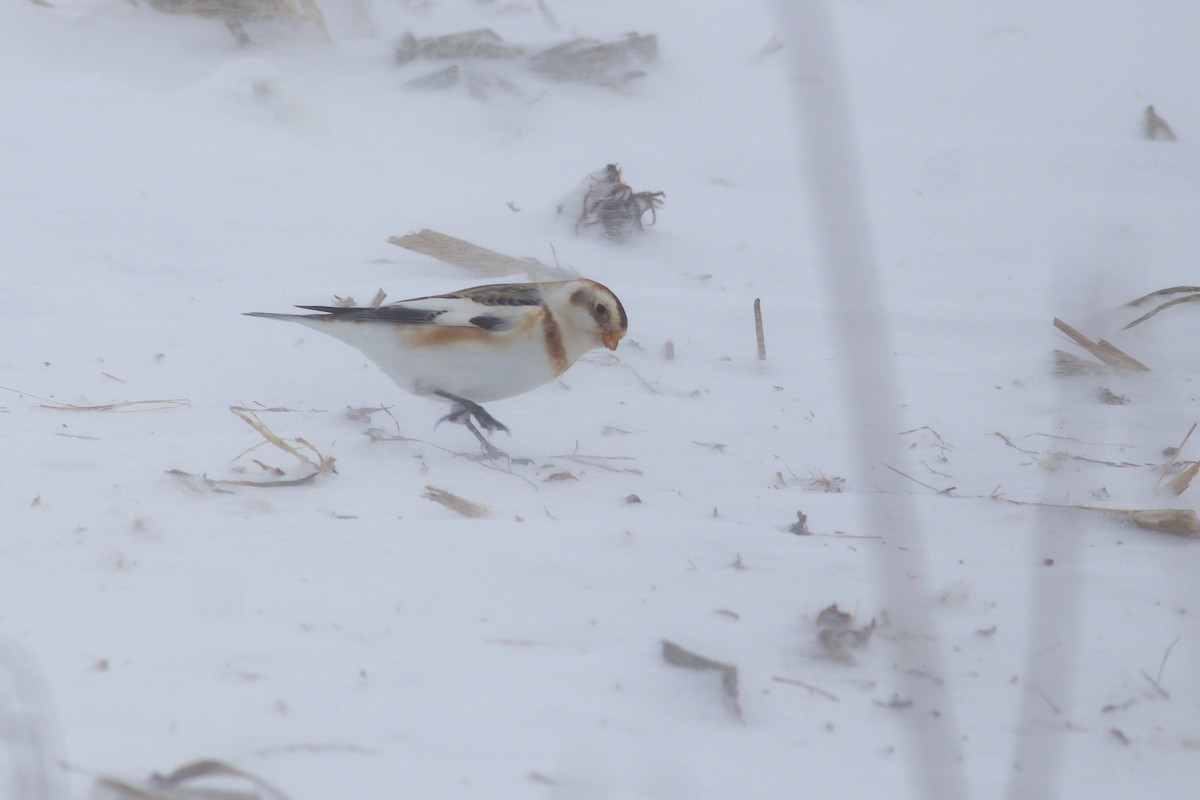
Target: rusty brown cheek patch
{"points": [[554, 343]]}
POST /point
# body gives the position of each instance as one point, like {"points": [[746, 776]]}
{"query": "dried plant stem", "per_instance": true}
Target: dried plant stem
{"points": [[1107, 352], [1192, 298], [758, 330], [808, 686], [1166, 654]]}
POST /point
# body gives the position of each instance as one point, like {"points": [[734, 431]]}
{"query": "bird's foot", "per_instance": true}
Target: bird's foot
{"points": [[467, 412], [490, 451]]}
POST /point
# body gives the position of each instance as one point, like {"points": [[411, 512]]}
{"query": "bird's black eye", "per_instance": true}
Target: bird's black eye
{"points": [[601, 310]]}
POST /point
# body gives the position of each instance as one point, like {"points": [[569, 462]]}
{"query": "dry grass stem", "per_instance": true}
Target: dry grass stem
{"points": [[247, 416], [1175, 455], [677, 656], [1054, 458], [1107, 352], [455, 503], [919, 482], [1166, 654], [1177, 301], [758, 330], [598, 461], [178, 785], [1158, 689], [1175, 521], [941, 442], [127, 405], [808, 686], [1163, 293]]}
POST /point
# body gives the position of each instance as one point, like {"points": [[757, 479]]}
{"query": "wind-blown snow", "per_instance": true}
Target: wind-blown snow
{"points": [[348, 638]]}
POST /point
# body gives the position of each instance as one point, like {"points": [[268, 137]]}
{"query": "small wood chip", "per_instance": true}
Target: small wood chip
{"points": [[455, 503]]}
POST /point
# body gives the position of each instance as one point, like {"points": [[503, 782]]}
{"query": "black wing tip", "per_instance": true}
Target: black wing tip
{"points": [[334, 309], [325, 309]]}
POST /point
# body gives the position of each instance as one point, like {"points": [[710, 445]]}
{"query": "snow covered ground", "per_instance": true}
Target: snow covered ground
{"points": [[350, 638]]}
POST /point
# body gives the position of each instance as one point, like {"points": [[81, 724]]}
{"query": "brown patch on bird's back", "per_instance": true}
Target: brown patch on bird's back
{"points": [[554, 343], [443, 335]]}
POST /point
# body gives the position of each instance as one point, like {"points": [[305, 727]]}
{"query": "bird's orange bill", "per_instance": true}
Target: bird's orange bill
{"points": [[610, 339]]}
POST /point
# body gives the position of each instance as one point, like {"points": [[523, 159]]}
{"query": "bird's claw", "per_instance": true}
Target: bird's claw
{"points": [[467, 412]]}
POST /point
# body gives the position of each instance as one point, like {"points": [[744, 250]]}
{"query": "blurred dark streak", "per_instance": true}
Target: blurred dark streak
{"points": [[829, 154]]}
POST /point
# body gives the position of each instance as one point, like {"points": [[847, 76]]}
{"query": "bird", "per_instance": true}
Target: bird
{"points": [[479, 344]]}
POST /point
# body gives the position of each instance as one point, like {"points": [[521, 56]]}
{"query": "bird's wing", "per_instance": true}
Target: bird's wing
{"points": [[502, 294], [493, 308]]}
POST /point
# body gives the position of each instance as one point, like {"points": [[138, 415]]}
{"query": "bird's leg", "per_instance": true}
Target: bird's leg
{"points": [[463, 412], [489, 450], [466, 409]]}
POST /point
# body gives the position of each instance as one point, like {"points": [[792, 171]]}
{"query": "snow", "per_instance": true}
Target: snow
{"points": [[349, 638]]}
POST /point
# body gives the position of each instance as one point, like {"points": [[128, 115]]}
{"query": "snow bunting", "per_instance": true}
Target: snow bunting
{"points": [[479, 344]]}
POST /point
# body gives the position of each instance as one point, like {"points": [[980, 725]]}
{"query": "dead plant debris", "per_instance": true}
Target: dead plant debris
{"points": [[1109, 354], [323, 465], [485, 62], [196, 780], [1191, 295], [455, 503], [1176, 521], [1052, 459], [604, 203], [1155, 128], [318, 464], [816, 481], [125, 405], [678, 656], [1067, 364], [759, 335], [838, 636], [601, 462], [895, 703], [236, 13], [812, 689]]}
